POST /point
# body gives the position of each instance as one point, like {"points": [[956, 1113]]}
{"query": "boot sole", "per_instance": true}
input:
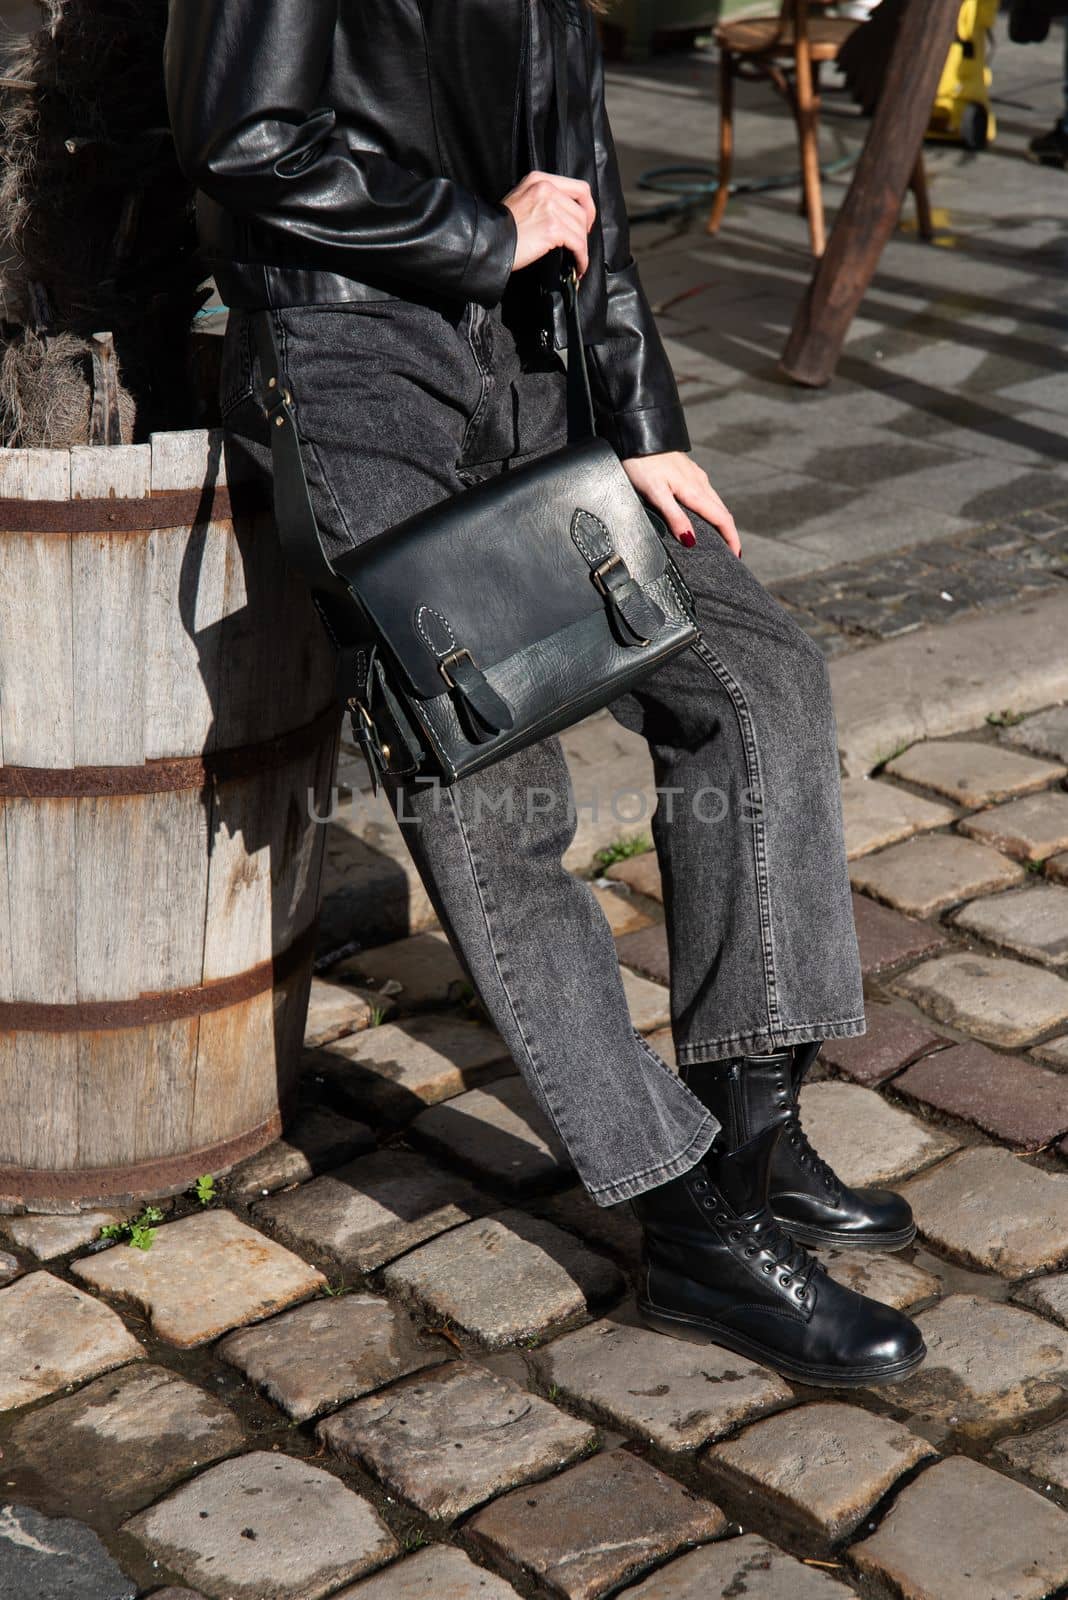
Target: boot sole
{"points": [[826, 1238], [698, 1331]]}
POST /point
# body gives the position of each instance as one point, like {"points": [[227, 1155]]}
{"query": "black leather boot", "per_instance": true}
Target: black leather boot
{"points": [[718, 1268], [806, 1195]]}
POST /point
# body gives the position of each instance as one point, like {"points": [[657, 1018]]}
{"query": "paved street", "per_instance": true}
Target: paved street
{"points": [[396, 1355], [399, 1354]]}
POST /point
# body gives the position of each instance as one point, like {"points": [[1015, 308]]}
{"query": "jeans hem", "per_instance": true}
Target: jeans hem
{"points": [[610, 1194], [769, 1039]]}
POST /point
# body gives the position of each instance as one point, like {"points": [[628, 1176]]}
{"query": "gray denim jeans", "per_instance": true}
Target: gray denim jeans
{"points": [[403, 403]]}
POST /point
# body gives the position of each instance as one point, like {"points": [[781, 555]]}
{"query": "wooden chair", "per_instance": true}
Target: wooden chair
{"points": [[788, 50]]}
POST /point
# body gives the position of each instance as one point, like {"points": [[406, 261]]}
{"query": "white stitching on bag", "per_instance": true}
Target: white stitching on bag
{"points": [[431, 646]]}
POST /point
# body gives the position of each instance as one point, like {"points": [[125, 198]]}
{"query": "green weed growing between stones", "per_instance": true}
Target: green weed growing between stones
{"points": [[138, 1232], [622, 850]]}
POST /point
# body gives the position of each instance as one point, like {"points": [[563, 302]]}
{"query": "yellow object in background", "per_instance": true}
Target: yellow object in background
{"points": [[962, 109]]}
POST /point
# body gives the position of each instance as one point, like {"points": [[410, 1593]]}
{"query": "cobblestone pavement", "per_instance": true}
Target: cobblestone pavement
{"points": [[398, 1355]]}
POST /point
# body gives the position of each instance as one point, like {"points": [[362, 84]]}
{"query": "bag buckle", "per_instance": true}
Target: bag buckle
{"points": [[446, 661], [598, 572]]}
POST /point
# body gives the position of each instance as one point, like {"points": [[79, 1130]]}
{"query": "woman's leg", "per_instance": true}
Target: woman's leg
{"points": [[398, 408], [748, 825]]}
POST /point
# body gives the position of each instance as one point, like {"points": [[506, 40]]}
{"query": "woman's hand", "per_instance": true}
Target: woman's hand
{"points": [[673, 481], [550, 212]]}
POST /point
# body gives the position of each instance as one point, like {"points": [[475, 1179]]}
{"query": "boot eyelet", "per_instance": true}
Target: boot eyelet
{"points": [[708, 1204], [800, 1293], [769, 1266], [701, 1185], [723, 1217], [750, 1249], [735, 1233], [786, 1281]]}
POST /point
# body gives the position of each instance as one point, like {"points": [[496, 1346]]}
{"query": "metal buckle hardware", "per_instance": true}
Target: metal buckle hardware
{"points": [[443, 665], [599, 571]]}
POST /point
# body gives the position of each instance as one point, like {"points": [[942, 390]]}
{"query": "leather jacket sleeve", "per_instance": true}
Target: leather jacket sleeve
{"points": [[635, 395], [242, 80]]}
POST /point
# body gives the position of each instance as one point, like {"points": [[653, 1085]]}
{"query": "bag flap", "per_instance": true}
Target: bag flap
{"points": [[496, 568]]}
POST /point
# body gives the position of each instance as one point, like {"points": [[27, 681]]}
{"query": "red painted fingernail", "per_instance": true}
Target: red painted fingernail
{"points": [[688, 538]]}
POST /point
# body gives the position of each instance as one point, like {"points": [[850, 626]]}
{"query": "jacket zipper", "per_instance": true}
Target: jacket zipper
{"points": [[523, 96]]}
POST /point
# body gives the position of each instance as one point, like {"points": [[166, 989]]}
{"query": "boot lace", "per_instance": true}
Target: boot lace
{"points": [[764, 1235], [798, 1139]]}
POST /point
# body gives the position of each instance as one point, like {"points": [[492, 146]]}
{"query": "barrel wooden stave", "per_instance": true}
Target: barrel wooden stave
{"points": [[151, 651]]}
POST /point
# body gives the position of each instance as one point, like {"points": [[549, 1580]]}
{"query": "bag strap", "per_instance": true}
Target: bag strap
{"points": [[581, 422]]}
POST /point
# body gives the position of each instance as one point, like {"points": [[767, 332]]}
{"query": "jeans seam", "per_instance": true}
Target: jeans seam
{"points": [[840, 1027], [487, 921], [660, 1166], [760, 863], [303, 442]]}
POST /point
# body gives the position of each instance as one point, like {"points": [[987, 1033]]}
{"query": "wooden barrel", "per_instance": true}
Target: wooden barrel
{"points": [[168, 735]]}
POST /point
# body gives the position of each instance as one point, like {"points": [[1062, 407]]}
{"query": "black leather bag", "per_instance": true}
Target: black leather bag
{"points": [[498, 616]]}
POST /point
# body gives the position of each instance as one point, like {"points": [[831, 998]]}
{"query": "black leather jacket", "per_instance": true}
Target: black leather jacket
{"points": [[341, 143]]}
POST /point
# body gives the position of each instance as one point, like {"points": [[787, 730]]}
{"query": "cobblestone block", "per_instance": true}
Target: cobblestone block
{"points": [[887, 939], [677, 1395], [265, 1527], [1025, 1231], [878, 814], [392, 1072], [372, 1210], [505, 1278], [452, 1438], [203, 1275], [176, 1594], [419, 971], [1046, 733], [999, 1001], [46, 1558], [1030, 829], [649, 1003], [747, 1566], [1029, 922], [1042, 1455], [973, 774], [640, 873], [881, 1276], [988, 1365], [499, 1133], [316, 1141], [622, 914], [48, 1237], [327, 1351], [334, 1009], [119, 1442], [1057, 867], [611, 1229], [440, 1572], [663, 1042], [10, 1268], [926, 874], [1008, 1096], [962, 1530], [52, 1334], [820, 1467], [646, 952], [1047, 1296], [638, 1515], [1055, 1051], [865, 1139], [893, 1040]]}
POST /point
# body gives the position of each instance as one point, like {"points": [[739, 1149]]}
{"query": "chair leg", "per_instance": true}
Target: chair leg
{"points": [[726, 140], [808, 121], [918, 185]]}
